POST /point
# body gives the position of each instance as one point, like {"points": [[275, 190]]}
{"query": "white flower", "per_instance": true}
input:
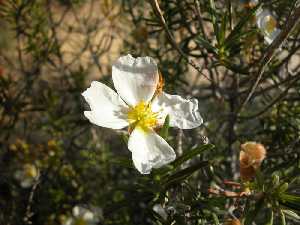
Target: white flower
{"points": [[267, 23], [27, 175], [138, 105], [84, 216], [160, 211]]}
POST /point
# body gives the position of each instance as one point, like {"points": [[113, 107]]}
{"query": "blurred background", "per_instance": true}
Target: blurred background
{"points": [[57, 168]]}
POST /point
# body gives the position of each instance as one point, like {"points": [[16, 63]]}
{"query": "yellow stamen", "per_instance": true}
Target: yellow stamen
{"points": [[271, 24], [142, 116]]}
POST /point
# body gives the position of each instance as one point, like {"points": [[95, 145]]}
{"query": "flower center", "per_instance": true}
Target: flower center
{"points": [[271, 24], [142, 116]]}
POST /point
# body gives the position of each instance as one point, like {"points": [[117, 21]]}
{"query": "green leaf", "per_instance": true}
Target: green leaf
{"points": [[237, 30], [165, 129], [282, 218], [259, 179], [222, 30], [291, 198], [215, 219], [181, 175], [282, 188], [212, 11], [192, 153], [275, 180], [251, 214], [290, 201], [236, 41], [291, 214], [270, 218], [122, 161], [214, 19], [125, 138], [210, 48], [234, 47], [235, 68]]}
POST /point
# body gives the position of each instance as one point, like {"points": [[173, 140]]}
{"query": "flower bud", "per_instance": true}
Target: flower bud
{"points": [[252, 152], [247, 173], [251, 156]]}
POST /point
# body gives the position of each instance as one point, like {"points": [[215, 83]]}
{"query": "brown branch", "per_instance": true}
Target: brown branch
{"points": [[29, 213], [158, 12], [270, 52], [198, 13], [272, 103]]}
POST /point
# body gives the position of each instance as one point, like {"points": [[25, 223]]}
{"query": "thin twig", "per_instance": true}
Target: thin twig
{"points": [[171, 39], [29, 213], [198, 13], [281, 96], [270, 52], [179, 142]]}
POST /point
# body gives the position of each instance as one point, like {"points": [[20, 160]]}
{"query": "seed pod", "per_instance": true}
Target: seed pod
{"points": [[252, 153], [247, 173], [251, 156]]}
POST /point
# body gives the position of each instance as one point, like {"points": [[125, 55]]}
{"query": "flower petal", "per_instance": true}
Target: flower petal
{"points": [[149, 150], [135, 79], [267, 23], [160, 211], [261, 16], [270, 38], [27, 182], [183, 113], [107, 108]]}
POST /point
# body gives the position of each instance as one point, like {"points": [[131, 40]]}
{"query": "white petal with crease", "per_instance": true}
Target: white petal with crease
{"points": [[149, 150], [107, 108], [261, 16], [183, 113], [135, 79], [270, 38]]}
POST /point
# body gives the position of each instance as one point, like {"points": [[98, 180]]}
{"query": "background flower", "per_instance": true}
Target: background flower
{"points": [[84, 216], [27, 175], [267, 23]]}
